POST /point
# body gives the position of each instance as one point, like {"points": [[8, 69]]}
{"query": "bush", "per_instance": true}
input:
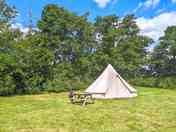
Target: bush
{"points": [[162, 82], [144, 81], [167, 82], [7, 86], [57, 85]]}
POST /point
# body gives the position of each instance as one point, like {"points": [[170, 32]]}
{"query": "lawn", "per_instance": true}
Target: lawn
{"points": [[154, 110]]}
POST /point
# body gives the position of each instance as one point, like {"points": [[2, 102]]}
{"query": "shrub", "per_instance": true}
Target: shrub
{"points": [[7, 86], [162, 82], [144, 81], [167, 82], [57, 85]]}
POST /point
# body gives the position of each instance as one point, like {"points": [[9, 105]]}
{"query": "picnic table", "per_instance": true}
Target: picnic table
{"points": [[82, 98]]}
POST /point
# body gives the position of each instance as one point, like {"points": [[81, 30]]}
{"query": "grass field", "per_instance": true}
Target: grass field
{"points": [[154, 110]]}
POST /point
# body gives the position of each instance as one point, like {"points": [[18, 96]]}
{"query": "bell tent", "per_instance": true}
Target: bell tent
{"points": [[110, 85]]}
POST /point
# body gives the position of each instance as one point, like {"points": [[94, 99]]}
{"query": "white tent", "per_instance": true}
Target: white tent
{"points": [[111, 85]]}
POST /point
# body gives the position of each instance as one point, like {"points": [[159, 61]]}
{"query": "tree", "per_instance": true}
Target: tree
{"points": [[7, 36], [121, 42], [164, 54], [6, 13], [66, 48], [25, 62], [69, 37]]}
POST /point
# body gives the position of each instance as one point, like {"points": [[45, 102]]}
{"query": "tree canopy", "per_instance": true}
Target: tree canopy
{"points": [[164, 55], [68, 51]]}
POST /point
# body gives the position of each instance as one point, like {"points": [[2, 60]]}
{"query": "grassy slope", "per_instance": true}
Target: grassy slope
{"points": [[154, 110]]}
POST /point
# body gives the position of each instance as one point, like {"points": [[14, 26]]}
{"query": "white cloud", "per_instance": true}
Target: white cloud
{"points": [[23, 29], [140, 5], [102, 3], [159, 11], [173, 1], [147, 4], [151, 3], [155, 27]]}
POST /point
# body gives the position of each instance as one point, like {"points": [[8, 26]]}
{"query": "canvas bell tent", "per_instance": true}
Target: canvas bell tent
{"points": [[111, 85]]}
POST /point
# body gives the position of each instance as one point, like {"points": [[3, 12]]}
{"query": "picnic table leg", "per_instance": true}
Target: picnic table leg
{"points": [[92, 99], [84, 101]]}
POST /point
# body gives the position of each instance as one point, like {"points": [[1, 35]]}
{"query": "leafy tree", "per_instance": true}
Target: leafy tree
{"points": [[35, 64], [25, 63], [164, 54], [7, 61], [121, 42], [69, 48], [6, 13], [69, 37]]}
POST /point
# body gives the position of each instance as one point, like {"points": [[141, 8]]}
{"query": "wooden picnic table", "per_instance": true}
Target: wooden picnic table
{"points": [[82, 98]]}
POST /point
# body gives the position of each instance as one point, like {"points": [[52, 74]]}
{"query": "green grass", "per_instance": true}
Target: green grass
{"points": [[154, 110]]}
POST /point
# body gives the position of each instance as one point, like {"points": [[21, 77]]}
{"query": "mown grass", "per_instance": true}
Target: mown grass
{"points": [[154, 110]]}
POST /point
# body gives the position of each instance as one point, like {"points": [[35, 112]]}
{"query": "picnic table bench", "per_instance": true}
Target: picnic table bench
{"points": [[82, 98]]}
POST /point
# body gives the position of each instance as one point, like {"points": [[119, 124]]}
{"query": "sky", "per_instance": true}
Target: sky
{"points": [[152, 16]]}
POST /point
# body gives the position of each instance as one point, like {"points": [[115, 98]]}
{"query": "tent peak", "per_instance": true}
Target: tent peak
{"points": [[109, 65], [111, 68]]}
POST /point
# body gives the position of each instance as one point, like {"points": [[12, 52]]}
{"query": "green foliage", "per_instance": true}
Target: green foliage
{"points": [[161, 82], [69, 52], [163, 60], [122, 43], [7, 85], [72, 34], [58, 85], [144, 81], [6, 14], [166, 82], [164, 55], [23, 67]]}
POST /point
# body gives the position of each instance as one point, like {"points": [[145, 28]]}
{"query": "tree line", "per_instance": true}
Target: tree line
{"points": [[68, 51]]}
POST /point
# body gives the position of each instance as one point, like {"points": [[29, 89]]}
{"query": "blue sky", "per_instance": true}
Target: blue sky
{"points": [[119, 7], [148, 12]]}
